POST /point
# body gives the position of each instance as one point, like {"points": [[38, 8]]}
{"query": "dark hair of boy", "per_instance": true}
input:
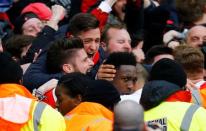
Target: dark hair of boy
{"points": [[121, 58], [15, 44], [82, 22], [75, 83], [60, 51]]}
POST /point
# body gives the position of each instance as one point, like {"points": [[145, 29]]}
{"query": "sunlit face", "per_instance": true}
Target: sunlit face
{"points": [[118, 41], [196, 36], [82, 63], [64, 103], [91, 40], [125, 79], [32, 27]]}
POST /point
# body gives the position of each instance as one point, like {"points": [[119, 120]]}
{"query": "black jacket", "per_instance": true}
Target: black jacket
{"points": [[154, 92]]}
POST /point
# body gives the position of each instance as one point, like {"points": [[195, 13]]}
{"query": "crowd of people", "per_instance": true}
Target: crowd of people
{"points": [[102, 65]]}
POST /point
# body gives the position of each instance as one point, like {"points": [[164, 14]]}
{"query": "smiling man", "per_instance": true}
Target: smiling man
{"points": [[86, 26], [115, 38], [68, 55], [63, 57]]}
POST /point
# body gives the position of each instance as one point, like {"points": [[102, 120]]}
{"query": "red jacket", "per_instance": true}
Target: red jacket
{"points": [[101, 16]]}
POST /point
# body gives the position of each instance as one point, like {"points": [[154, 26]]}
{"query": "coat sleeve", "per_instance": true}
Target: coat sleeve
{"points": [[36, 75], [97, 12]]}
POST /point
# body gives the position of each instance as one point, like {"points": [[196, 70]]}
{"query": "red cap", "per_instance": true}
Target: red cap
{"points": [[40, 9]]}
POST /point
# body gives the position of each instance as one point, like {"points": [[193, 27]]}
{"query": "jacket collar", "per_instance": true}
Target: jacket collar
{"points": [[183, 96], [93, 109]]}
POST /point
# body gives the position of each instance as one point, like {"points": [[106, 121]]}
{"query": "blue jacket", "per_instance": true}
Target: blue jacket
{"points": [[37, 74]]}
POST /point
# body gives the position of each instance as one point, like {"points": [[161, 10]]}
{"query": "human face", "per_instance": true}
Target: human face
{"points": [[32, 27], [64, 103], [118, 41], [196, 36], [91, 40], [82, 63], [125, 79]]}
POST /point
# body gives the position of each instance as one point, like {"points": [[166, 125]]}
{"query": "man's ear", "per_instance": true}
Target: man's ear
{"points": [[103, 45], [67, 68]]}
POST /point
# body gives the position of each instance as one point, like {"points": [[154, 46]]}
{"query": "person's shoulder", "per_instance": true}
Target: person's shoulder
{"points": [[49, 116], [51, 112]]}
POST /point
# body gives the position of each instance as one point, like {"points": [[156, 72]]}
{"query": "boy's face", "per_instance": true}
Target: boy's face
{"points": [[64, 102], [91, 40], [125, 79]]}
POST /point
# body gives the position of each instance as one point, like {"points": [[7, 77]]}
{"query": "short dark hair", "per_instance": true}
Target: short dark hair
{"points": [[104, 36], [82, 22], [75, 83], [15, 44], [121, 58], [157, 50], [10, 71], [62, 51]]}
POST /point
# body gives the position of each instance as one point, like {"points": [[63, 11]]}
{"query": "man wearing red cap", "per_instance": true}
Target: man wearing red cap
{"points": [[40, 9], [32, 18]]}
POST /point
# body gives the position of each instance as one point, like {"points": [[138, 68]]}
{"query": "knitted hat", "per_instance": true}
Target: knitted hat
{"points": [[102, 92], [39, 9], [168, 70], [21, 20]]}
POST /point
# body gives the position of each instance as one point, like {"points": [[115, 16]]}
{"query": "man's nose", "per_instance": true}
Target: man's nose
{"points": [[130, 86]]}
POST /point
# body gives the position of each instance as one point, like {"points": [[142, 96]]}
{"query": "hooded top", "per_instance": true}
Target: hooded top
{"points": [[166, 78], [155, 92]]}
